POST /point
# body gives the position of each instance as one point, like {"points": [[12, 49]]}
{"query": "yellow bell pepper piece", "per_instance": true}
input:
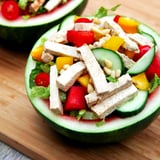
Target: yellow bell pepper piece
{"points": [[84, 80], [113, 43], [141, 81], [128, 25], [61, 61], [37, 53]]}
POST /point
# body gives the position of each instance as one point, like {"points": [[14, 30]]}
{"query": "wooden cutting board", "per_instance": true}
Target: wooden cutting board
{"points": [[22, 128]]}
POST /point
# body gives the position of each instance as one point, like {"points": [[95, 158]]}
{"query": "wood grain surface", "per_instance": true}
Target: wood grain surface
{"points": [[22, 128]]}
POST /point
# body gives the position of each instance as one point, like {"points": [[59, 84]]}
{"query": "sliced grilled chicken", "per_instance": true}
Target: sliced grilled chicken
{"points": [[69, 76], [96, 73], [140, 39], [107, 106], [117, 30], [113, 88], [128, 63], [61, 49], [51, 4], [83, 26], [55, 102], [35, 5], [46, 57]]}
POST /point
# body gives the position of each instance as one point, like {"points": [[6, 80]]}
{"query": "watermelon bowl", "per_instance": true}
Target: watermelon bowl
{"points": [[23, 31], [111, 128]]}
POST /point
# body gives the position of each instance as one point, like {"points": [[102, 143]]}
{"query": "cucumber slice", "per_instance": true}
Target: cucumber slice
{"points": [[150, 37], [101, 54], [67, 22], [133, 106], [144, 28], [143, 63]]}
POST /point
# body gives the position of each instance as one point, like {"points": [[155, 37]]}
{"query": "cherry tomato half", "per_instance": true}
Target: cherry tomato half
{"points": [[10, 10], [83, 20], [143, 49], [42, 79]]}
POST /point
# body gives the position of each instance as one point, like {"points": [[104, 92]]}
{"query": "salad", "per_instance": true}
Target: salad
{"points": [[96, 67], [13, 9]]}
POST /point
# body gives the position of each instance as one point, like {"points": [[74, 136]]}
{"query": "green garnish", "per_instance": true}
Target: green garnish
{"points": [[63, 96], [23, 4], [154, 83], [102, 11], [26, 17], [100, 123], [111, 79], [81, 113], [40, 92]]}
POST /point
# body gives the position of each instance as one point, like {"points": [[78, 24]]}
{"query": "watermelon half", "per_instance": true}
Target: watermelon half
{"points": [[115, 129], [26, 32]]}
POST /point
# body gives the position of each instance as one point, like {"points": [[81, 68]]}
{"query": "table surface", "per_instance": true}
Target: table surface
{"points": [[22, 129]]}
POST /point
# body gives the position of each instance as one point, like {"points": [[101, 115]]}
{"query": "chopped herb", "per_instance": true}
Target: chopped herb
{"points": [[43, 40], [100, 123], [63, 96], [23, 4], [81, 113], [89, 116], [26, 17], [74, 113], [45, 67], [111, 79], [64, 1], [40, 92], [154, 83], [115, 7], [102, 11]]}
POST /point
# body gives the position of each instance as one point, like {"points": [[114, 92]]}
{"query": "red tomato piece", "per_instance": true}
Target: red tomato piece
{"points": [[154, 68], [83, 20], [75, 99], [10, 10], [78, 38], [42, 79], [116, 18], [143, 50]]}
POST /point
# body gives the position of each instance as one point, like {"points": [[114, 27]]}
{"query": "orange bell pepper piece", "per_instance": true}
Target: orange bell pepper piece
{"points": [[37, 53], [128, 25]]}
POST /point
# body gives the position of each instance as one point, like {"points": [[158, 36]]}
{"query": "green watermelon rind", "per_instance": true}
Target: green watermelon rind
{"points": [[26, 32], [88, 132]]}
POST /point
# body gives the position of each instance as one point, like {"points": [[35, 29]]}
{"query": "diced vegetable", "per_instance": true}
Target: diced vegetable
{"points": [[154, 67], [84, 80], [82, 20], [113, 43], [143, 49], [128, 25], [61, 61], [143, 63], [116, 18], [37, 53], [78, 38], [141, 81], [75, 99], [10, 10], [42, 79]]}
